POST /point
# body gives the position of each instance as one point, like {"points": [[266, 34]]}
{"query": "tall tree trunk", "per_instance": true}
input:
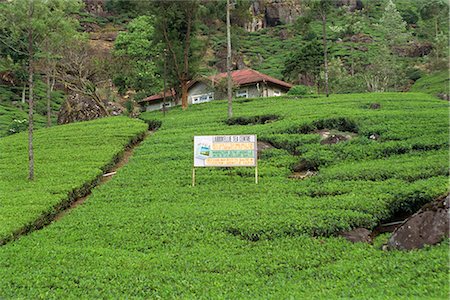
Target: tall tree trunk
{"points": [[184, 94], [49, 98], [352, 66], [23, 96], [165, 82], [436, 26], [187, 45], [30, 103], [229, 84], [325, 50]]}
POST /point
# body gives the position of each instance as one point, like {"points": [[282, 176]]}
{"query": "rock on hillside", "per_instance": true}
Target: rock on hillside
{"points": [[269, 13], [429, 226], [84, 108], [95, 7]]}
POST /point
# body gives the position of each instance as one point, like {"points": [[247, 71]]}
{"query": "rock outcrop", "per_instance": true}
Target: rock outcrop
{"points": [[429, 226], [357, 235], [95, 7], [269, 13], [79, 107]]}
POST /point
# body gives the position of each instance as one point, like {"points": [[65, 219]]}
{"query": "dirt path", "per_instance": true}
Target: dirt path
{"points": [[107, 176], [67, 205]]}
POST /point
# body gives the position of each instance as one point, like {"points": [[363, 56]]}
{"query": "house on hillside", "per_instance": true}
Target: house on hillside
{"points": [[247, 84]]}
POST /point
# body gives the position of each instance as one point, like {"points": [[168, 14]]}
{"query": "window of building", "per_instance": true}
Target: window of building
{"points": [[276, 93], [202, 98], [167, 104], [242, 93]]}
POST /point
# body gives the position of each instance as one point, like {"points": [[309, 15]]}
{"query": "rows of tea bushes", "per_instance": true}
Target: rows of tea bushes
{"points": [[68, 160], [13, 120], [148, 233]]}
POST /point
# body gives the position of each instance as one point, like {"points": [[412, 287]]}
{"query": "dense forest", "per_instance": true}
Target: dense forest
{"points": [[80, 60]]}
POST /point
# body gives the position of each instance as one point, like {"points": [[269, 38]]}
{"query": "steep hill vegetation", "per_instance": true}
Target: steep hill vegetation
{"points": [[149, 234], [267, 35], [13, 120], [436, 84]]}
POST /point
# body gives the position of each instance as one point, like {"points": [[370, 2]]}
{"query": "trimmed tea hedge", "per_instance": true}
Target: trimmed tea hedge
{"points": [[148, 234], [68, 161]]}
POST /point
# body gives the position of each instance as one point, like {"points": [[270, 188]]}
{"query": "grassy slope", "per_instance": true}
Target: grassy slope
{"points": [[148, 233], [8, 114], [434, 84], [66, 158]]}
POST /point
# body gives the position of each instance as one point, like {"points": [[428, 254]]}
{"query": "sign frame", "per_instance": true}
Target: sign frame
{"points": [[205, 143]]}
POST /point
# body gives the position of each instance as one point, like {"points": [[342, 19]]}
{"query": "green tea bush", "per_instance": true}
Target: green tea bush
{"points": [[153, 124], [148, 233], [68, 161], [11, 120], [18, 125]]}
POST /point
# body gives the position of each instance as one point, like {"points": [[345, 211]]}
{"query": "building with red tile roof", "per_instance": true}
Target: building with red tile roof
{"points": [[247, 83]]}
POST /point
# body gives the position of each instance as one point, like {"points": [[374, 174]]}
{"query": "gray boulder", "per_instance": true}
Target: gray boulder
{"points": [[429, 226]]}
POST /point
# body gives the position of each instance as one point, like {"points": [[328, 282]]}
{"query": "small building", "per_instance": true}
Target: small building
{"points": [[246, 84]]}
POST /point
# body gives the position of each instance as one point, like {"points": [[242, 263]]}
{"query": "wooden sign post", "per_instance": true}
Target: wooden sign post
{"points": [[225, 151]]}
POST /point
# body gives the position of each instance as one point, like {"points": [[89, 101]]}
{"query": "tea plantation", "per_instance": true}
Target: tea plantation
{"points": [[149, 234], [13, 120], [68, 160]]}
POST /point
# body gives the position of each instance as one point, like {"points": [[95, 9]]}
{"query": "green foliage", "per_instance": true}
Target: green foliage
{"points": [[148, 233], [33, 32], [434, 84], [393, 26], [69, 159], [300, 90], [384, 73], [136, 54], [153, 124], [121, 7], [17, 126], [176, 27], [9, 117], [306, 62]]}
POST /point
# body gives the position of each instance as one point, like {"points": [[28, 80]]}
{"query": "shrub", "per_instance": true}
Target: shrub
{"points": [[153, 124], [18, 126], [300, 90]]}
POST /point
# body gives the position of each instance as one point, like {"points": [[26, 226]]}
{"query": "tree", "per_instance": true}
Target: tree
{"points": [[137, 56], [229, 80], [384, 72], [322, 8], [175, 29], [81, 72], [24, 27], [319, 10], [437, 10], [51, 55], [393, 26], [305, 64]]}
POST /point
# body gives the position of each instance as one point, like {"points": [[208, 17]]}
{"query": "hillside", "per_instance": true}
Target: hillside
{"points": [[267, 33], [148, 233], [436, 84], [13, 120]]}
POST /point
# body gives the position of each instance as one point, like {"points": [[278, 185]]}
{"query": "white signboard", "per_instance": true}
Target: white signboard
{"points": [[225, 151]]}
